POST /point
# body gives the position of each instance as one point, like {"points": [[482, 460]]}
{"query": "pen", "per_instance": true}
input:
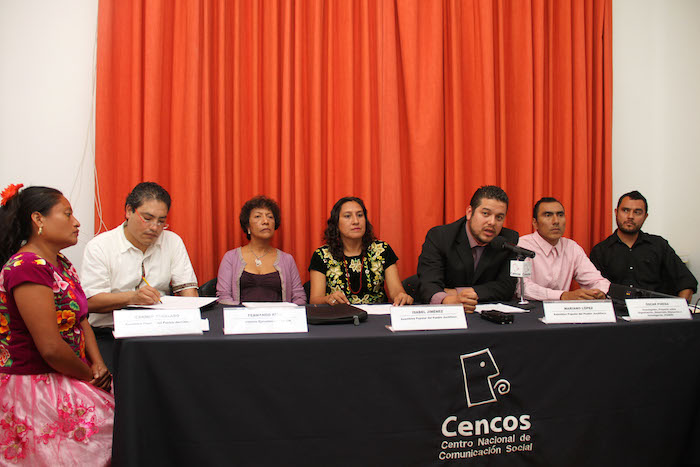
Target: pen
{"points": [[146, 282]]}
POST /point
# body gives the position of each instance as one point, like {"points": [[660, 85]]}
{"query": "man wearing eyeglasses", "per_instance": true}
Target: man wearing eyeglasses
{"points": [[135, 263]]}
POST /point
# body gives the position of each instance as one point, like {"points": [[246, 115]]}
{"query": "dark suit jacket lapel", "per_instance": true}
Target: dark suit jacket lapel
{"points": [[465, 253]]}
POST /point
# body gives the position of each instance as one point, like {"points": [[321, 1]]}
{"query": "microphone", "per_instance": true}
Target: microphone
{"points": [[500, 243]]}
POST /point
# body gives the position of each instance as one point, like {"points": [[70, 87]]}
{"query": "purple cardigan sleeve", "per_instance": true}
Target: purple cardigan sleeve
{"points": [[297, 288], [293, 288], [224, 283]]}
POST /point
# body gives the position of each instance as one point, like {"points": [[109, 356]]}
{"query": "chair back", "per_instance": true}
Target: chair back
{"points": [[410, 285], [307, 289], [208, 289]]}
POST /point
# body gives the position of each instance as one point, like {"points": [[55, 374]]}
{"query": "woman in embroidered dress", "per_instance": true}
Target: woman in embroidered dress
{"points": [[353, 266], [55, 402], [259, 272]]}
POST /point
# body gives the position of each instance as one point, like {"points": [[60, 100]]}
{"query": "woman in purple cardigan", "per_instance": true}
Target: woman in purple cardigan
{"points": [[259, 272]]}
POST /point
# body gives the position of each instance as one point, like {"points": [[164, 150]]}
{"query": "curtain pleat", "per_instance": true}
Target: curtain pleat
{"points": [[410, 105]]}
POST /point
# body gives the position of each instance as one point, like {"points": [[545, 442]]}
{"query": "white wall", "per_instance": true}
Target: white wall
{"points": [[656, 115], [46, 101], [47, 134]]}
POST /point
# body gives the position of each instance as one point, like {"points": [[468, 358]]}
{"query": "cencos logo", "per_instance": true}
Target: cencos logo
{"points": [[480, 371], [476, 438]]}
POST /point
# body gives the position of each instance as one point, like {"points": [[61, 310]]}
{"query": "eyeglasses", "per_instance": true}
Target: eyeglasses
{"points": [[157, 223]]}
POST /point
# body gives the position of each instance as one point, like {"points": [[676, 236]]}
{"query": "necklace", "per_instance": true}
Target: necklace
{"points": [[347, 274], [258, 259]]}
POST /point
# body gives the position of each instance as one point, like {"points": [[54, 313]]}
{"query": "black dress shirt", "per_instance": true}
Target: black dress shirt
{"points": [[650, 264]]}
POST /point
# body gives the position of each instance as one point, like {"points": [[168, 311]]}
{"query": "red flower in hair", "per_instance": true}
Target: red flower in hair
{"points": [[9, 192]]}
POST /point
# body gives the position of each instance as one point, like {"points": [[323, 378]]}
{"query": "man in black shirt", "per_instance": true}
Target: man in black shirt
{"points": [[637, 259]]}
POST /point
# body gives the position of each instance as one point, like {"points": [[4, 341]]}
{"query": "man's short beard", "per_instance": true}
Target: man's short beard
{"points": [[629, 231]]}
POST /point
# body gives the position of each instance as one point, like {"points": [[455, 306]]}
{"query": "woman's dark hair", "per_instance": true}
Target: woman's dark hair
{"points": [[16, 217], [259, 202], [145, 191], [332, 233]]}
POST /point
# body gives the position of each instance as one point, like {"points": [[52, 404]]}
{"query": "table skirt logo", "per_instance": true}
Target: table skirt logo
{"points": [[480, 371]]}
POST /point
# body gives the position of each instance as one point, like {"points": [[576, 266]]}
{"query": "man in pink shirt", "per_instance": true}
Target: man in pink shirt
{"points": [[558, 260]]}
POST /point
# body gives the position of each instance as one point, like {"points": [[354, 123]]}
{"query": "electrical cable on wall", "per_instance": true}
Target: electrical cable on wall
{"points": [[89, 147]]}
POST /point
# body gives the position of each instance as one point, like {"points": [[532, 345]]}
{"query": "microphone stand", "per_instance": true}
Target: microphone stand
{"points": [[524, 304], [522, 284]]}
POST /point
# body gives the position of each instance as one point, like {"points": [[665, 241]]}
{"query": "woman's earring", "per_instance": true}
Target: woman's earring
{"points": [[41, 229], [248, 231]]}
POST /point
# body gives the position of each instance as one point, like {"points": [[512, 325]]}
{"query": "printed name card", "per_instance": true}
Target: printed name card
{"points": [[641, 309], [427, 317], [147, 322], [266, 320], [578, 311]]}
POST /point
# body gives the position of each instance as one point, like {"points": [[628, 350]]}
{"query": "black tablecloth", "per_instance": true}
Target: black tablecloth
{"points": [[596, 394]]}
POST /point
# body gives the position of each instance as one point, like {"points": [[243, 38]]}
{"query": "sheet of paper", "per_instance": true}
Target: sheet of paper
{"points": [[500, 307], [642, 309], [170, 302], [132, 322], [379, 309], [265, 320], [578, 311], [427, 317], [268, 304]]}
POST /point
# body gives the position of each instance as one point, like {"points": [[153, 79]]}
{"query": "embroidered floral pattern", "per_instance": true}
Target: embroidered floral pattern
{"points": [[373, 274], [4, 323], [65, 320], [13, 435], [76, 421], [46, 419], [65, 286], [356, 265], [59, 284], [5, 359], [73, 273], [48, 432], [41, 378], [67, 307]]}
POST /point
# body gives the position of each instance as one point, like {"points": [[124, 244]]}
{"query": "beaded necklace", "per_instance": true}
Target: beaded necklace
{"points": [[347, 274]]}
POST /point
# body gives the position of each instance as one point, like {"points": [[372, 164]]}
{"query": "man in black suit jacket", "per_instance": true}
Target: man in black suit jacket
{"points": [[446, 269]]}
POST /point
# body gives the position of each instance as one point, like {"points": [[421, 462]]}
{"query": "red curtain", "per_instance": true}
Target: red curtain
{"points": [[410, 105]]}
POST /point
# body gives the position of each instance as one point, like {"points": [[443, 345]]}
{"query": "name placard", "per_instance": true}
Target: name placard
{"points": [[578, 311], [427, 317], [147, 322], [270, 320], [641, 309]]}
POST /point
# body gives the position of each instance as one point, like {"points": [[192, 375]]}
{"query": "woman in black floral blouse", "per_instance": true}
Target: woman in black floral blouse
{"points": [[353, 265]]}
